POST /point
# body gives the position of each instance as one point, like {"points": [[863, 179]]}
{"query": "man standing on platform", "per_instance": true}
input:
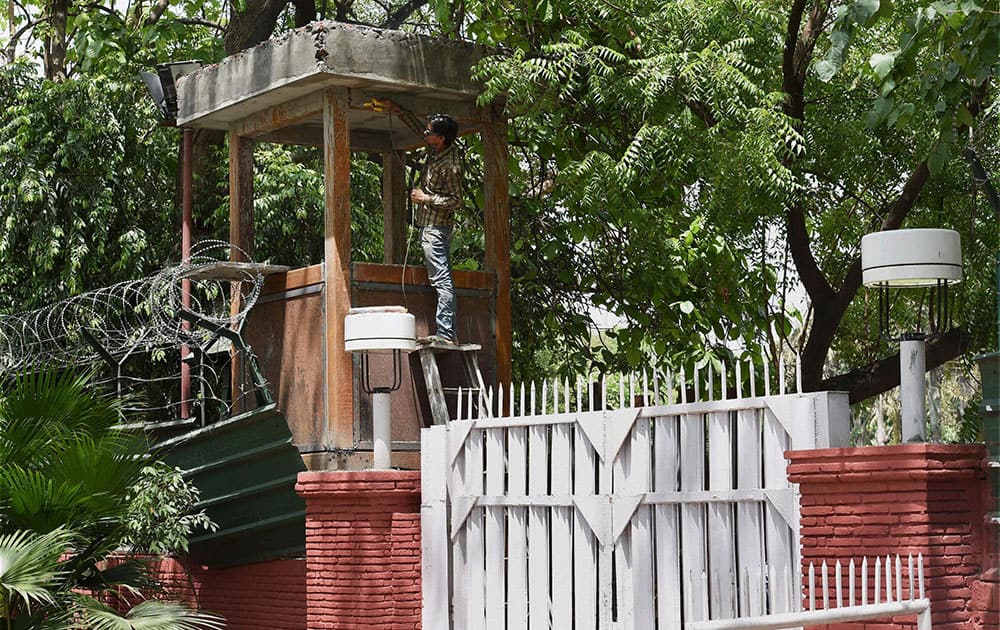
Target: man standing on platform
{"points": [[438, 198]]}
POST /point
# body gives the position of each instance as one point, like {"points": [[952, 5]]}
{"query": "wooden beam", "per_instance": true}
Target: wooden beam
{"points": [[282, 115], [337, 253], [241, 235], [496, 202], [241, 218], [394, 211], [362, 141], [465, 112]]}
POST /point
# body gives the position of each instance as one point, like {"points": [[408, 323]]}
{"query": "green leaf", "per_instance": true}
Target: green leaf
{"points": [[882, 63]]}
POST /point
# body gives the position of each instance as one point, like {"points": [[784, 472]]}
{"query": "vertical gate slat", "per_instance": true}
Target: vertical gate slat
{"points": [[721, 532], [475, 572], [496, 573], [584, 542], [538, 544], [668, 566], [638, 482], [749, 523], [517, 535], [458, 485], [622, 548], [434, 541], [778, 536], [693, 539], [605, 553], [562, 530]]}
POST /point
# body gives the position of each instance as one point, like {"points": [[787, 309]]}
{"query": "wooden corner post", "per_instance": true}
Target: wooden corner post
{"points": [[241, 235], [339, 390], [496, 187]]}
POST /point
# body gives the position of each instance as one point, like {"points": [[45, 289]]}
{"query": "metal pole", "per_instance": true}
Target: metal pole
{"points": [[912, 368], [187, 158], [381, 431]]}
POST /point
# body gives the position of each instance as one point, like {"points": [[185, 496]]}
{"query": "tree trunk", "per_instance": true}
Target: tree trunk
{"points": [[55, 42]]}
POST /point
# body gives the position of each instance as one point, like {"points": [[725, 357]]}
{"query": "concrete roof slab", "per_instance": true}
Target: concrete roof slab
{"points": [[323, 55]]}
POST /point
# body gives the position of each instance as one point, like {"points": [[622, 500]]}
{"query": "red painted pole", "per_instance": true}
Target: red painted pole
{"points": [[187, 158]]}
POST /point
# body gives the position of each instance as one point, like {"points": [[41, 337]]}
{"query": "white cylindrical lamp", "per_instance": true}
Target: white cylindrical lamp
{"points": [[380, 330], [914, 258]]}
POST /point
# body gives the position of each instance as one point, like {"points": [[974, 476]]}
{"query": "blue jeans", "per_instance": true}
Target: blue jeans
{"points": [[436, 243]]}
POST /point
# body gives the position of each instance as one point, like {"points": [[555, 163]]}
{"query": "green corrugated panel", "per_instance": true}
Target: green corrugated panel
{"points": [[245, 468]]}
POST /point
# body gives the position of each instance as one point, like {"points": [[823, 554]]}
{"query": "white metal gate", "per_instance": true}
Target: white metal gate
{"points": [[635, 517]]}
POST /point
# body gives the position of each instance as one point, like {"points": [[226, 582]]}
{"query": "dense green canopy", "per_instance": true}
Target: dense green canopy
{"points": [[703, 169]]}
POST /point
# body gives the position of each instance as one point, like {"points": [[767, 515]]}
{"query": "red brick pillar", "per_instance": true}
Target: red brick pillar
{"points": [[362, 549], [913, 498]]}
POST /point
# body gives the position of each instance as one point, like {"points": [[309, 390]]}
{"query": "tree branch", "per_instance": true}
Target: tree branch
{"points": [[812, 277], [883, 375], [201, 22], [156, 12], [400, 15]]}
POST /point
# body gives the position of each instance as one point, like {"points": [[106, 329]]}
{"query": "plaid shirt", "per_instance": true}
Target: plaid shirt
{"points": [[442, 181]]}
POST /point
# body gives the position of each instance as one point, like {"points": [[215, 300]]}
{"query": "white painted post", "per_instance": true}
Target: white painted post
{"points": [[434, 542], [695, 544], [381, 431], [912, 369]]}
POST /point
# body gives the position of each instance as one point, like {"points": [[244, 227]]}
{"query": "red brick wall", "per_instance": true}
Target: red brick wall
{"points": [[912, 498], [362, 549], [262, 596]]}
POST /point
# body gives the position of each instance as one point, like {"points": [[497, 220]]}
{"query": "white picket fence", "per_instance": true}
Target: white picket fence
{"points": [[894, 600], [563, 513]]}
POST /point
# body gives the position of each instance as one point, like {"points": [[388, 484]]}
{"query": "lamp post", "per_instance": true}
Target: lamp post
{"points": [[380, 330], [916, 258]]}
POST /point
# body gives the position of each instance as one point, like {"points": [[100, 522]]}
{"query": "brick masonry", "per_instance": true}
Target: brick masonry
{"points": [[262, 596], [362, 549], [911, 498]]}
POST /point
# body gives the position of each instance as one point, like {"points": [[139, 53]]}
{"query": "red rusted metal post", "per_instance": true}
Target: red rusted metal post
{"points": [[187, 158]]}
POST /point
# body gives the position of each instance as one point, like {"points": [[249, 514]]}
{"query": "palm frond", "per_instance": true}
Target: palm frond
{"points": [[29, 566]]}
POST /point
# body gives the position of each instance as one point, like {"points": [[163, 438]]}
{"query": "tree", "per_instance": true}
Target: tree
{"points": [[66, 470], [780, 132]]}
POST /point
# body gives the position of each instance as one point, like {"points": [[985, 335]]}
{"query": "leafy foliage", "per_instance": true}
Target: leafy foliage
{"points": [[89, 195], [74, 488]]}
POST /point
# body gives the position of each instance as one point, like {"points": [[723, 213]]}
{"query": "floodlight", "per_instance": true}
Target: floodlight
{"points": [[162, 85]]}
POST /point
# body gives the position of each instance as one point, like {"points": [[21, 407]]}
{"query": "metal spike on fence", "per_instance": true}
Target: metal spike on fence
{"points": [[621, 390], [878, 580], [458, 405], [826, 587], [888, 579], [604, 392], [469, 403], [920, 574], [798, 373], [711, 381], [837, 579], [767, 374], [909, 571], [683, 387], [781, 375], [697, 384], [812, 586], [631, 389], [753, 377], [500, 408], [523, 401], [850, 583], [656, 387], [489, 401], [566, 398], [533, 401], [482, 400], [723, 377], [864, 581], [579, 395]]}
